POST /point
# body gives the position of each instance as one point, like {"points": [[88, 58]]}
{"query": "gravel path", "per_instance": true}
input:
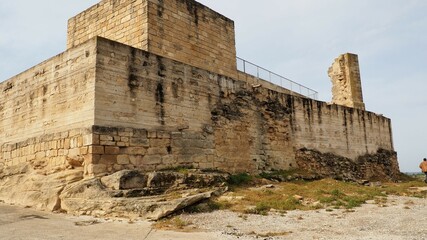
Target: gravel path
{"points": [[401, 218]]}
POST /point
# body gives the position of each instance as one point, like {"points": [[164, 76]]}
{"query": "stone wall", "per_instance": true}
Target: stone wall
{"points": [[189, 116], [137, 110], [141, 90], [46, 98], [182, 30], [48, 152], [124, 21], [340, 130], [190, 32], [42, 107]]}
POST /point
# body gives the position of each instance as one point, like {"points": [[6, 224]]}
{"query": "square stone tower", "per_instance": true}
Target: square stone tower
{"points": [[183, 30], [346, 83]]}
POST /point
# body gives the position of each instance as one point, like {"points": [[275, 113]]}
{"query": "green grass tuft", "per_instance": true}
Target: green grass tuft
{"points": [[239, 179]]}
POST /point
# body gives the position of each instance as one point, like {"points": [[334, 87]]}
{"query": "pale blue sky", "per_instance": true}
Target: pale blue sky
{"points": [[297, 39]]}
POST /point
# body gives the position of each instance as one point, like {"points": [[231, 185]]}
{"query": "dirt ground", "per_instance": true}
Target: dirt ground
{"points": [[398, 218]]}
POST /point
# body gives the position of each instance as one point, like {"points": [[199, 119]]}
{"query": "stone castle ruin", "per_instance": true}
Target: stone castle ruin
{"points": [[345, 76], [148, 85]]}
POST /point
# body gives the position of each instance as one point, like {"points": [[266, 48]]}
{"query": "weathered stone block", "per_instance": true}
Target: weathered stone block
{"points": [[122, 144], [39, 155], [152, 134], [152, 159], [96, 169], [67, 143], [133, 151], [125, 134], [100, 130], [143, 142], [168, 160], [136, 160], [108, 159], [83, 150], [95, 139], [123, 159], [87, 140], [74, 152], [139, 133], [96, 149], [106, 138], [112, 150], [157, 151], [51, 153], [159, 142], [163, 135], [107, 143], [91, 159]]}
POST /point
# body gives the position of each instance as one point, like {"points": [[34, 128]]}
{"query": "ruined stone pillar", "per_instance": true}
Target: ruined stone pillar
{"points": [[346, 84]]}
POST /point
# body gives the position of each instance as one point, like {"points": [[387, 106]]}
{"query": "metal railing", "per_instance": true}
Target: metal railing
{"points": [[264, 74]]}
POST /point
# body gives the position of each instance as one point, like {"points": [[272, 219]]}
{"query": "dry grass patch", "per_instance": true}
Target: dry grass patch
{"points": [[325, 193], [404, 188]]}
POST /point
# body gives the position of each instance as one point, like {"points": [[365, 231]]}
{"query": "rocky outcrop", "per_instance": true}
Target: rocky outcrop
{"points": [[382, 165], [125, 193], [36, 189]]}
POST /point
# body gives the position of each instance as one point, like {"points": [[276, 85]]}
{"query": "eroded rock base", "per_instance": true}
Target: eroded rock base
{"points": [[129, 194]]}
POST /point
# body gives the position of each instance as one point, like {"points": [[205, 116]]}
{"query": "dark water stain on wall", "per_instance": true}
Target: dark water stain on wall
{"points": [[132, 74], [192, 8], [160, 99], [161, 67], [319, 111], [308, 109], [345, 124], [160, 8]]}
